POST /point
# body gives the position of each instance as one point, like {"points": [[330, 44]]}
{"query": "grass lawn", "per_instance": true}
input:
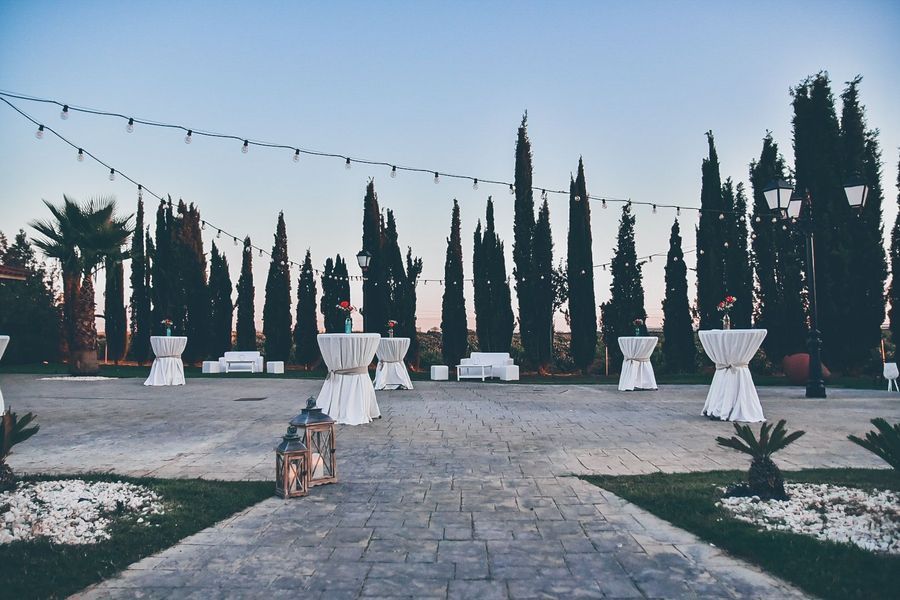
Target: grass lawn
{"points": [[860, 382], [42, 570], [825, 569]]}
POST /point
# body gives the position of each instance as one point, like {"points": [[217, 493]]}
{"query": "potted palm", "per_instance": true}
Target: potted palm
{"points": [[764, 478]]}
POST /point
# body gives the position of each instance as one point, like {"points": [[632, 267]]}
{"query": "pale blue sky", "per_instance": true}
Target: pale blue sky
{"points": [[630, 86]]}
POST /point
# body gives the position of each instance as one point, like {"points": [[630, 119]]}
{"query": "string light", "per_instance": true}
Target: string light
{"points": [[394, 171], [512, 190], [64, 114], [347, 164], [677, 211], [140, 192], [603, 203], [219, 234], [188, 138], [39, 134], [112, 174], [577, 198], [654, 212], [436, 177], [475, 184], [297, 155], [246, 147], [130, 127], [80, 155], [203, 225], [544, 195]]}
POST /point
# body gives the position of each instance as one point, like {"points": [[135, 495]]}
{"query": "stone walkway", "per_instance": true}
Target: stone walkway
{"points": [[462, 490]]}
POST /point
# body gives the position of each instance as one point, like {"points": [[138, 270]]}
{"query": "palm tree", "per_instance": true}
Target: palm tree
{"points": [[81, 236], [764, 479]]}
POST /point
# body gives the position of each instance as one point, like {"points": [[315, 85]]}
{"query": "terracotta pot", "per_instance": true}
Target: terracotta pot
{"points": [[796, 368]]}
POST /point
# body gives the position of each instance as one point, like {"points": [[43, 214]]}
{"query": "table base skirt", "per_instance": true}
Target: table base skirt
{"points": [[166, 371], [636, 376], [732, 397], [392, 375], [334, 399]]}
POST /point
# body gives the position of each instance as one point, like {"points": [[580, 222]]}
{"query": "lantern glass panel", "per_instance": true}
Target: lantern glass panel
{"points": [[794, 208], [856, 195], [321, 447]]}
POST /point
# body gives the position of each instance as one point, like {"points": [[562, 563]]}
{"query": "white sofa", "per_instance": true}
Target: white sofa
{"points": [[486, 365], [241, 361]]}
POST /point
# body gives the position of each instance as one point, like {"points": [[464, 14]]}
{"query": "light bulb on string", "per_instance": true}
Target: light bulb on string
{"points": [[475, 184], [544, 195], [436, 177], [80, 155], [603, 203], [394, 171], [189, 137], [577, 198], [721, 216], [39, 134], [130, 127], [347, 164], [246, 147], [219, 234], [677, 211], [234, 240], [64, 114], [112, 174], [512, 190], [260, 252], [203, 225], [140, 192], [297, 155], [654, 209]]}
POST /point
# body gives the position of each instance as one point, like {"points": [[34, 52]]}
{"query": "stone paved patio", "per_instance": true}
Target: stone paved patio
{"points": [[462, 490]]}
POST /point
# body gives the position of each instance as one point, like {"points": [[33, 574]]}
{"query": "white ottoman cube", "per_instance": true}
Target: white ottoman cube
{"points": [[211, 366], [440, 373], [275, 366], [506, 372]]}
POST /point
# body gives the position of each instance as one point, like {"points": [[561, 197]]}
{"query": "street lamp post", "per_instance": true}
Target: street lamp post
{"points": [[363, 258], [799, 209]]}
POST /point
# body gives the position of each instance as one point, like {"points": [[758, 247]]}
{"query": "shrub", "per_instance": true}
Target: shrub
{"points": [[884, 442], [764, 479]]}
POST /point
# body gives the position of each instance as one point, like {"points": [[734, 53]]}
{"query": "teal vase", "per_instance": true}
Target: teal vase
{"points": [[348, 325], [168, 332]]}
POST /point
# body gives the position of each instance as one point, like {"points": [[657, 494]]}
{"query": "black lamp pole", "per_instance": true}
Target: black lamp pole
{"points": [[363, 258], [815, 385]]}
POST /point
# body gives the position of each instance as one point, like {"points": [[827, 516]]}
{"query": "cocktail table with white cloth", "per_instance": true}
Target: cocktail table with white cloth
{"points": [[637, 372], [391, 372], [167, 368], [347, 396], [4, 340], [732, 395]]}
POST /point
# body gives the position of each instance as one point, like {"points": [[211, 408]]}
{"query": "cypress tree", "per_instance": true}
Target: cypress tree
{"points": [[493, 306], [777, 262], [894, 290], [141, 316], [413, 271], [580, 274], [819, 168], [710, 242], [375, 289], [738, 273], [543, 290], [193, 288], [523, 233], [861, 156], [277, 306], [307, 327], [626, 290], [221, 308], [679, 349], [342, 285], [330, 299], [246, 317], [454, 333], [115, 319], [162, 270]]}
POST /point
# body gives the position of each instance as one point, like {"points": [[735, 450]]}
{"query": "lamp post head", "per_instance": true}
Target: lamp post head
{"points": [[856, 191], [778, 196], [364, 258]]}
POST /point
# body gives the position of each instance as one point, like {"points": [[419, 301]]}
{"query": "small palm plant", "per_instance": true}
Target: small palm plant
{"points": [[13, 430], [764, 479], [884, 442]]}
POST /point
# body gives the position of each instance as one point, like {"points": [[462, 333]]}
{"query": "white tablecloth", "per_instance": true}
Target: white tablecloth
{"points": [[637, 372], [732, 395], [167, 368], [391, 372], [4, 340], [347, 395]]}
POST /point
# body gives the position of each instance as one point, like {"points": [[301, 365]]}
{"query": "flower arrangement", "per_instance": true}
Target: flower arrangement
{"points": [[167, 323], [725, 307], [391, 324], [348, 309], [638, 323]]}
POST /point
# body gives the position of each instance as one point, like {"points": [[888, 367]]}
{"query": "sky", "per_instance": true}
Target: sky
{"points": [[630, 86]]}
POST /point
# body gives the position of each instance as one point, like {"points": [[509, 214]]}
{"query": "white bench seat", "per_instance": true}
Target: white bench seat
{"points": [[487, 365], [241, 361]]}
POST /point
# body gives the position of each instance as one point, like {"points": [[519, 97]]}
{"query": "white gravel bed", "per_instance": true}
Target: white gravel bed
{"points": [[869, 520], [74, 378], [73, 511]]}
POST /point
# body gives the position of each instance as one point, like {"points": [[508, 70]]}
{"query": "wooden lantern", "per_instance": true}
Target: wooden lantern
{"points": [[318, 435], [291, 466]]}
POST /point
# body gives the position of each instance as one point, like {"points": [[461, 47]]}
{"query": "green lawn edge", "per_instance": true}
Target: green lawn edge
{"points": [[867, 382], [825, 569], [39, 569]]}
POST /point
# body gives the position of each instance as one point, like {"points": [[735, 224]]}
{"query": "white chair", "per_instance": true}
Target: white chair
{"points": [[241, 361], [891, 373]]}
